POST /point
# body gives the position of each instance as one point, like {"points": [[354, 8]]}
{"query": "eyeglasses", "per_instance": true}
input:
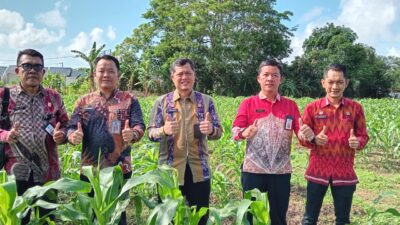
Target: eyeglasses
{"points": [[28, 67]]}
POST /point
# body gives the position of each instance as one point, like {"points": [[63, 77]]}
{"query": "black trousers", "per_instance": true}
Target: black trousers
{"points": [[342, 200], [22, 186], [196, 194], [122, 220], [277, 187]]}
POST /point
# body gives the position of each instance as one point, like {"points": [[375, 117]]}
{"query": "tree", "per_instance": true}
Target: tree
{"points": [[226, 39], [90, 58], [337, 44]]}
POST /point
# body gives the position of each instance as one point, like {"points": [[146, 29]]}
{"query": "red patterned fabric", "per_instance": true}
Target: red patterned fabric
{"points": [[334, 160]]}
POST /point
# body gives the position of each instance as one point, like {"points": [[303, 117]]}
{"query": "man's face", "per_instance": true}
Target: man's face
{"points": [[183, 78], [269, 79], [334, 84], [106, 75], [30, 71]]}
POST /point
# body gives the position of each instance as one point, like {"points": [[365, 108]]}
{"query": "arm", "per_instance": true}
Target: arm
{"points": [[74, 124], [241, 121], [136, 122], [360, 128], [156, 123], [217, 128], [60, 133], [307, 121]]}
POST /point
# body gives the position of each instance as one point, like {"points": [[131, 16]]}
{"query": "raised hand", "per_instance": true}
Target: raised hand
{"points": [[206, 126], [13, 135], [321, 138], [305, 132], [171, 126], [353, 141], [251, 130], [128, 134], [76, 136], [58, 134]]}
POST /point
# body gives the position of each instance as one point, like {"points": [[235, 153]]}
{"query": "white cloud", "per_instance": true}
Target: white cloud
{"points": [[53, 18], [393, 52], [370, 19], [10, 21], [34, 37], [315, 12], [83, 41], [111, 33]]}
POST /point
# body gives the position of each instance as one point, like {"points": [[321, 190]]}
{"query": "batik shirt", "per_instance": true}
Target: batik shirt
{"points": [[268, 152], [102, 120], [35, 152], [179, 149], [334, 160]]}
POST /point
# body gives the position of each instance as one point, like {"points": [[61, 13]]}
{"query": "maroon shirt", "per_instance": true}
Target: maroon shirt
{"points": [[334, 160]]}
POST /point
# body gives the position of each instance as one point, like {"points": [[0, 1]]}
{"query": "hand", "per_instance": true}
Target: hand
{"points": [[76, 136], [305, 132], [58, 134], [171, 126], [206, 126], [13, 135], [250, 131], [128, 134], [321, 138], [353, 141]]}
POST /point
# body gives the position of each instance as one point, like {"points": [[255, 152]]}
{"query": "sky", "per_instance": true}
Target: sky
{"points": [[56, 27]]}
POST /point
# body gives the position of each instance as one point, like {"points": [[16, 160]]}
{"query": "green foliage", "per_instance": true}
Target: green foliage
{"points": [[215, 34], [89, 58], [337, 44], [55, 81]]}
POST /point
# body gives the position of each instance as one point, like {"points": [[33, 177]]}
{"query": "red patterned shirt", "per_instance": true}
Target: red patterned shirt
{"points": [[269, 151], [35, 150], [334, 160]]}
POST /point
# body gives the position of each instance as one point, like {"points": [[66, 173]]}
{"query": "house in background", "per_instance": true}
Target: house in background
{"points": [[8, 75]]}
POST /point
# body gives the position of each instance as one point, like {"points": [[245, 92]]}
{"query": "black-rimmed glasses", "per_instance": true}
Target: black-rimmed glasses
{"points": [[28, 67]]}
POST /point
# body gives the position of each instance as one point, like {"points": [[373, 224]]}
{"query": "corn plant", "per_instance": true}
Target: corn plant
{"points": [[12, 207]]}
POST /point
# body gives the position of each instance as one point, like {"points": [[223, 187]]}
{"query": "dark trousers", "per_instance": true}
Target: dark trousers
{"points": [[342, 200], [196, 194], [122, 220], [277, 187], [22, 186]]}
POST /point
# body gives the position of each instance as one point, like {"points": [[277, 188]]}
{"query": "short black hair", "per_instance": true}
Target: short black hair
{"points": [[181, 62], [270, 62], [30, 52], [107, 57], [336, 67]]}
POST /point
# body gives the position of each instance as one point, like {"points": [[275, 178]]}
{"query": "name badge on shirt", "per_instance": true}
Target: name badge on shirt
{"points": [[288, 122], [260, 110], [49, 129], [116, 127]]}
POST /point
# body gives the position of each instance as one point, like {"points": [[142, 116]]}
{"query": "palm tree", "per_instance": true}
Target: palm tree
{"points": [[94, 52]]}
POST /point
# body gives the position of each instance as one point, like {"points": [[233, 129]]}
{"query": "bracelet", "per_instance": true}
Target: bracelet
{"points": [[212, 132], [164, 131]]}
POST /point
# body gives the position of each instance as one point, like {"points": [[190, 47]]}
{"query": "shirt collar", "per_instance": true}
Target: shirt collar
{"points": [[113, 94], [177, 96], [327, 102], [20, 90], [262, 96]]}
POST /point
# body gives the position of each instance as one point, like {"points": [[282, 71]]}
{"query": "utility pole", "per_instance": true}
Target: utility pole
{"points": [[65, 78]]}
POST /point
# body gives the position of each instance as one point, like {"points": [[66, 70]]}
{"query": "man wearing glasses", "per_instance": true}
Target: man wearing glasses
{"points": [[36, 124]]}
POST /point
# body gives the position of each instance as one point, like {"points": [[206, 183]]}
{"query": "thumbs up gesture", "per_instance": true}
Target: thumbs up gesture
{"points": [[305, 132], [129, 134], [321, 138], [353, 141], [58, 134], [251, 130], [206, 126], [13, 135], [76, 136], [170, 126]]}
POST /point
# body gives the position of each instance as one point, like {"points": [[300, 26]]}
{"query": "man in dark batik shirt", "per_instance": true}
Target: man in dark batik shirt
{"points": [[107, 121]]}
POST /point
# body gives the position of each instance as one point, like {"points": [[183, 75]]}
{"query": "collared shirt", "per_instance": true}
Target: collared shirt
{"points": [[268, 152], [35, 150], [184, 147], [102, 120], [334, 160]]}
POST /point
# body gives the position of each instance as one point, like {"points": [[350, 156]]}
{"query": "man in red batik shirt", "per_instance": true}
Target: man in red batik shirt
{"points": [[339, 125]]}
